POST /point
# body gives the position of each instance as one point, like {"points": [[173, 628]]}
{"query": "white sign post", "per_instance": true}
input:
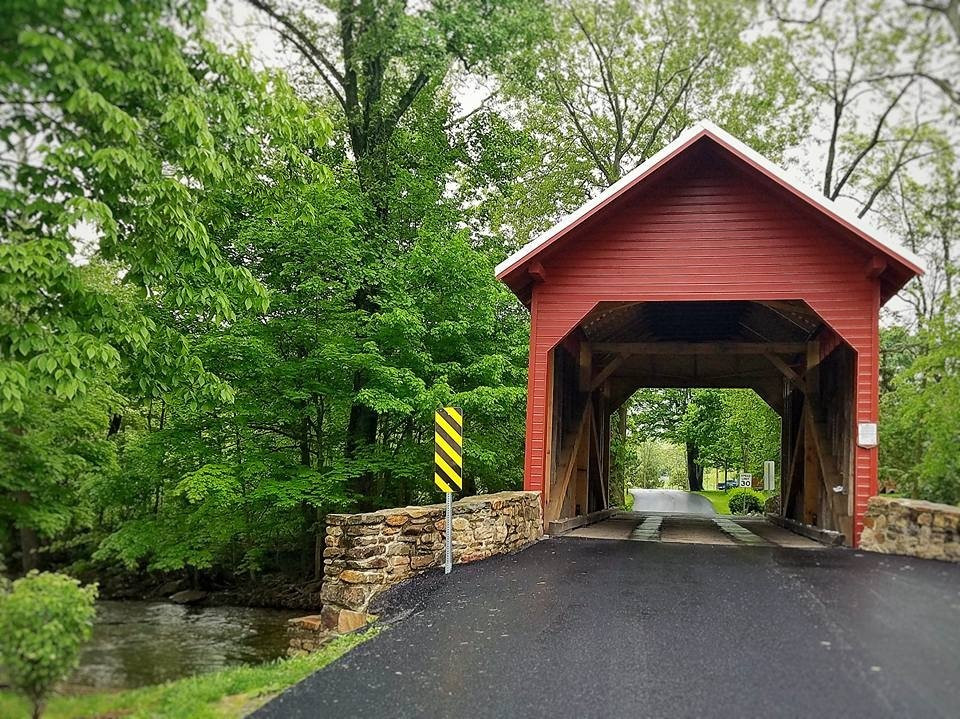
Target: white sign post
{"points": [[448, 543], [769, 475]]}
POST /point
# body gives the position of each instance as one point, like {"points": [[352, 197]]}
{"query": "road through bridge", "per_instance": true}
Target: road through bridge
{"points": [[686, 528], [580, 627]]}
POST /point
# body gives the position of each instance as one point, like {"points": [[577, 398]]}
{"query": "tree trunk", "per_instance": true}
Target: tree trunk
{"points": [[305, 441], [694, 471], [29, 546], [309, 537], [361, 435], [29, 541]]}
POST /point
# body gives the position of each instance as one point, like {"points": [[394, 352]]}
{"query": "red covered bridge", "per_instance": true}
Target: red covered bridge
{"points": [[707, 267]]}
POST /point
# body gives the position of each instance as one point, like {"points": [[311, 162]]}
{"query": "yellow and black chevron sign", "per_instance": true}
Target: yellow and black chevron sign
{"points": [[448, 449]]}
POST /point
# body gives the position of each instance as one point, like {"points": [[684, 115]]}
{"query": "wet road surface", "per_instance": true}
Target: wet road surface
{"points": [[578, 627], [694, 529]]}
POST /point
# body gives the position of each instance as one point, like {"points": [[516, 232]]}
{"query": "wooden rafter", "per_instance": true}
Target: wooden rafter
{"points": [[585, 366], [787, 306], [813, 361]]}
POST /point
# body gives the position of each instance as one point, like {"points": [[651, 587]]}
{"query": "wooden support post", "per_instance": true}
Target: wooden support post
{"points": [[811, 482], [788, 480], [598, 444], [585, 366], [811, 460], [557, 497], [549, 470], [605, 440], [581, 497], [829, 474]]}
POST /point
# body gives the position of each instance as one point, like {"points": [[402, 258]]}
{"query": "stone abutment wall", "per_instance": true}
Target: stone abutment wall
{"points": [[912, 527], [366, 553]]}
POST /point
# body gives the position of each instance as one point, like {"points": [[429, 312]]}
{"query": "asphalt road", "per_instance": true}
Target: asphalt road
{"points": [[595, 628]]}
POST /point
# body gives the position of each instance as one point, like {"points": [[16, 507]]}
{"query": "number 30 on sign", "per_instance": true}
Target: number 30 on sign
{"points": [[448, 449]]}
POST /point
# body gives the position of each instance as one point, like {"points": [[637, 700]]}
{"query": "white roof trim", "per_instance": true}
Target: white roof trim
{"points": [[705, 126]]}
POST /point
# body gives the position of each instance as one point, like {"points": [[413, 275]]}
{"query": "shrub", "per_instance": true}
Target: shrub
{"points": [[44, 620], [772, 505], [745, 501]]}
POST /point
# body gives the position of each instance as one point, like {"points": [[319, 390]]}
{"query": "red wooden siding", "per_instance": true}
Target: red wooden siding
{"points": [[708, 230]]}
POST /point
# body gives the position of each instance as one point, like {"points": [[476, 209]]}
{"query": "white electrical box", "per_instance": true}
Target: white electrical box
{"points": [[867, 434]]}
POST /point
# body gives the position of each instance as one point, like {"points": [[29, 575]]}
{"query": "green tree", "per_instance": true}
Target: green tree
{"points": [[382, 67], [675, 416], [923, 209], [610, 83], [124, 131], [919, 423], [861, 67], [717, 427], [50, 465], [44, 620], [239, 485]]}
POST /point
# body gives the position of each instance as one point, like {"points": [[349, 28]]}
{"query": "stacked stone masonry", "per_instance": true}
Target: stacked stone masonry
{"points": [[912, 527], [366, 553]]}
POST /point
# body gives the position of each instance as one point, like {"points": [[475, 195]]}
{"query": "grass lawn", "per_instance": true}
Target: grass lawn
{"points": [[719, 500], [228, 693]]}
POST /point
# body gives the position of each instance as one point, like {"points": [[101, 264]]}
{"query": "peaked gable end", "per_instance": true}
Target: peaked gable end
{"points": [[897, 266]]}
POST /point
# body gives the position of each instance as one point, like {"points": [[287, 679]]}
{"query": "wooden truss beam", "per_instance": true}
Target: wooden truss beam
{"points": [[699, 348], [611, 367], [585, 366], [556, 498], [788, 490], [786, 370], [595, 423], [829, 474]]}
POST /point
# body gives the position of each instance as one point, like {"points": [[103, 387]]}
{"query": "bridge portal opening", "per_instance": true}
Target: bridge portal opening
{"points": [[782, 350]]}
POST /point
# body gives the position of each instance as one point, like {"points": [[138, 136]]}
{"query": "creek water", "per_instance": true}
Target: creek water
{"points": [[139, 643]]}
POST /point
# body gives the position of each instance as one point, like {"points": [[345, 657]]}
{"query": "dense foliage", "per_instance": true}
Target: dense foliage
{"points": [[727, 429], [920, 417], [44, 621], [250, 308]]}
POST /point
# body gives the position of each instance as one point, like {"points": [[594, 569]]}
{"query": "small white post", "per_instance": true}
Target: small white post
{"points": [[448, 526], [769, 475]]}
